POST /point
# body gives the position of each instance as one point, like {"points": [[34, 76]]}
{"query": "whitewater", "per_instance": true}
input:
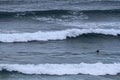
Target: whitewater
{"points": [[53, 35], [63, 69]]}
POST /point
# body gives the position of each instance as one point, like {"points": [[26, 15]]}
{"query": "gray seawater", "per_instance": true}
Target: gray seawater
{"points": [[31, 16]]}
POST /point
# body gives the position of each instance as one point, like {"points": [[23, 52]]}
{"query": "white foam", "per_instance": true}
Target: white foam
{"points": [[64, 69], [53, 35], [88, 25]]}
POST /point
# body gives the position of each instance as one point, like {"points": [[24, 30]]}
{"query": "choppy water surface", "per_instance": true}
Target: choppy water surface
{"points": [[57, 39]]}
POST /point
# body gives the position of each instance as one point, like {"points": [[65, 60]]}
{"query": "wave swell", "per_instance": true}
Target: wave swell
{"points": [[63, 69], [54, 35], [55, 12]]}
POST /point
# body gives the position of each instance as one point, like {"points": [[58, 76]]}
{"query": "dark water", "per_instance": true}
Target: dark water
{"points": [[57, 39]]}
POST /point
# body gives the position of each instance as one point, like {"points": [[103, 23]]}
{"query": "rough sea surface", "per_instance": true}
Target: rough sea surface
{"points": [[58, 39]]}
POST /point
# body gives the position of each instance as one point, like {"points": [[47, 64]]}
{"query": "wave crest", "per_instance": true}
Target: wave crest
{"points": [[53, 35], [63, 69]]}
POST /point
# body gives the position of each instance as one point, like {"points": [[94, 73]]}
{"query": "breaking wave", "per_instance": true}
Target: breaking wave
{"points": [[54, 35], [63, 69]]}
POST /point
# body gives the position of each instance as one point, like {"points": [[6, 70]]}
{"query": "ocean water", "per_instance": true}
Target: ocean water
{"points": [[58, 39]]}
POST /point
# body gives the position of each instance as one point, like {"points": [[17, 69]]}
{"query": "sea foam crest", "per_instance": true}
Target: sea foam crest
{"points": [[53, 35], [64, 69]]}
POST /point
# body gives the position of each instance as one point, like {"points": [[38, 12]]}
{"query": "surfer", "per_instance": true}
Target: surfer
{"points": [[97, 51]]}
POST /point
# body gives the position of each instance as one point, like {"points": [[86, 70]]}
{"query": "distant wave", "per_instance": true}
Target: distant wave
{"points": [[54, 12], [63, 69], [54, 35]]}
